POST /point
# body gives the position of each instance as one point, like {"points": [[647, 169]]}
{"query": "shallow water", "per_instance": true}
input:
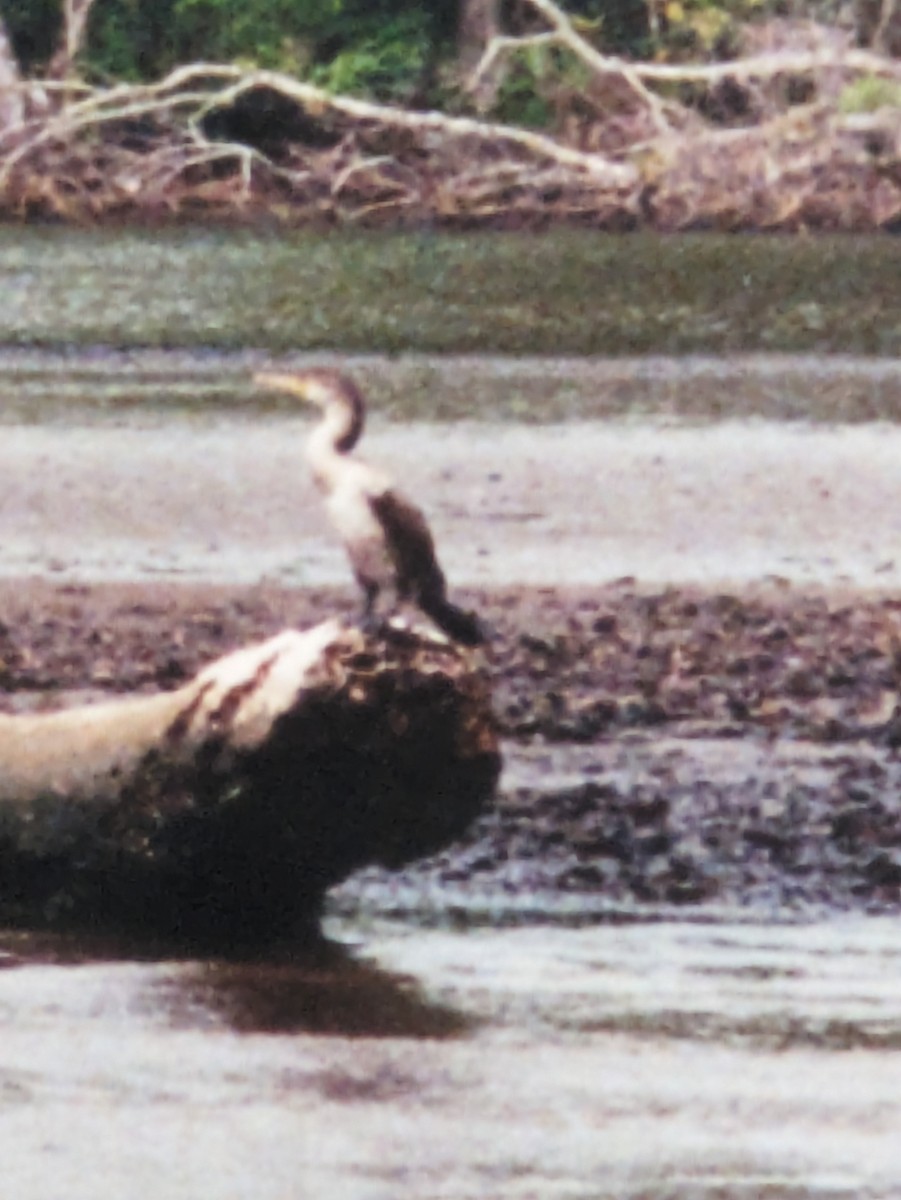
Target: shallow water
{"points": [[657, 1060], [563, 291], [98, 383]]}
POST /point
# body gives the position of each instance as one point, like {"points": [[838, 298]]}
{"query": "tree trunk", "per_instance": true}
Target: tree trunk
{"points": [[75, 19], [477, 24], [224, 810], [12, 100], [877, 23], [887, 39]]}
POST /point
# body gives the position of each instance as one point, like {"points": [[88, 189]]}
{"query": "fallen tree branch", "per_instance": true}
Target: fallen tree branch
{"points": [[638, 74], [622, 156], [601, 64], [125, 102], [762, 66], [226, 809], [430, 126]]}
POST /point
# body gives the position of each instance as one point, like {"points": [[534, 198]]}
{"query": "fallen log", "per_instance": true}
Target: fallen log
{"points": [[224, 810]]}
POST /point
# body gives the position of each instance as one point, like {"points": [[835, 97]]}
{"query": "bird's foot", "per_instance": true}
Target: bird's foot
{"points": [[389, 629], [399, 632]]}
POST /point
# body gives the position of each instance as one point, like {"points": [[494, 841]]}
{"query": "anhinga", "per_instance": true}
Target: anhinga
{"points": [[386, 536]]}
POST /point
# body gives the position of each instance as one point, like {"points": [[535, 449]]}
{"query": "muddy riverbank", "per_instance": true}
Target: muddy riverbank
{"points": [[663, 748]]}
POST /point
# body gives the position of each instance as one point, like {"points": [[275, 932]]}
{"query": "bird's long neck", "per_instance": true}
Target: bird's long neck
{"points": [[333, 438]]}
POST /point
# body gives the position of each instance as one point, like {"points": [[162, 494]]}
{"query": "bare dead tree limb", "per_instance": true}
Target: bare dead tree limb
{"points": [[99, 106], [478, 23], [430, 126], [637, 75], [75, 19], [601, 64], [853, 62], [482, 81], [563, 34]]}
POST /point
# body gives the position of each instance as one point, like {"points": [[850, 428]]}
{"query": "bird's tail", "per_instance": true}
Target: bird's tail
{"points": [[460, 625]]}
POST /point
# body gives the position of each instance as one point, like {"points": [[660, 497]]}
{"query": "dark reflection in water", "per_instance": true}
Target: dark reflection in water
{"points": [[324, 992], [318, 987]]}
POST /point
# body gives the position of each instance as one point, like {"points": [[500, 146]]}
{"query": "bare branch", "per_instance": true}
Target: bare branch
{"points": [[431, 126], [601, 64], [123, 102], [481, 79], [75, 18], [854, 62], [637, 75]]}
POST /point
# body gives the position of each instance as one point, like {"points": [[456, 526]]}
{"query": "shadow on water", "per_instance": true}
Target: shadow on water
{"points": [[330, 995], [318, 987]]}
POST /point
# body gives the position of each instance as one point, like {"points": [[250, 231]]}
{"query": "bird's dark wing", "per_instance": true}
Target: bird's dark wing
{"points": [[410, 545]]}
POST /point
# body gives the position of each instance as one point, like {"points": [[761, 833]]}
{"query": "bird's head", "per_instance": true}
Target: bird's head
{"points": [[321, 388], [335, 394]]}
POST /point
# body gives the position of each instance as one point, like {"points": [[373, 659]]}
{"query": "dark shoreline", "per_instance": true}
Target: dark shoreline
{"points": [[668, 749]]}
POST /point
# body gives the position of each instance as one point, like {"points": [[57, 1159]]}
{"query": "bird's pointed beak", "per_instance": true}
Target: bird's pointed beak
{"points": [[278, 381]]}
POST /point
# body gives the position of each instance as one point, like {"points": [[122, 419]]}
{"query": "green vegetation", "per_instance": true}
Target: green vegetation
{"points": [[379, 46], [391, 49], [870, 93]]}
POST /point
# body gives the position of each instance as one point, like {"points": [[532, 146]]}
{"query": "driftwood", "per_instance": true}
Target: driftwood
{"points": [[225, 809]]}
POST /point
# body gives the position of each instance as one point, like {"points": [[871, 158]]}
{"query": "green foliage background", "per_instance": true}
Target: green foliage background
{"points": [[368, 45], [390, 49]]}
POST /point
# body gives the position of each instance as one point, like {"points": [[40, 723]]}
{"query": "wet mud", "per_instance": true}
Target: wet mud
{"points": [[663, 748]]}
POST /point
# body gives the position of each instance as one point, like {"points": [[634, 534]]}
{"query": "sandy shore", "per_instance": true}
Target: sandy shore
{"points": [[229, 501]]}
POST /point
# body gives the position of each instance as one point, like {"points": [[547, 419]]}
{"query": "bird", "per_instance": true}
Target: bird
{"points": [[386, 535]]}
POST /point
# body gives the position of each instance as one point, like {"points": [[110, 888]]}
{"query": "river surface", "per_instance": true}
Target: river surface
{"points": [[629, 1060]]}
